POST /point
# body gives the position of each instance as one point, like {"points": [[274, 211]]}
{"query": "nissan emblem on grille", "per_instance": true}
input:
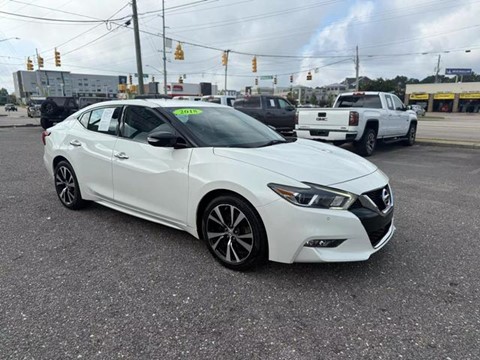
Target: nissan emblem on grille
{"points": [[386, 197]]}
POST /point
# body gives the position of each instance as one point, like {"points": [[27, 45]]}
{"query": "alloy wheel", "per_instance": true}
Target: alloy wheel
{"points": [[65, 185], [229, 233], [370, 142]]}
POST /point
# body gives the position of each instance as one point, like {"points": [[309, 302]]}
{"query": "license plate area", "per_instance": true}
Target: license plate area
{"points": [[319, 132]]}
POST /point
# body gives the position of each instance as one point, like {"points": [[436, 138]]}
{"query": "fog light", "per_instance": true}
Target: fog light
{"points": [[324, 243]]}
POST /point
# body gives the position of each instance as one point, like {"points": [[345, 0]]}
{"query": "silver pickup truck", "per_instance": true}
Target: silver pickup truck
{"points": [[361, 118]]}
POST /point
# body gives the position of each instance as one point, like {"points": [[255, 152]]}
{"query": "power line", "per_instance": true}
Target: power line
{"points": [[71, 21]]}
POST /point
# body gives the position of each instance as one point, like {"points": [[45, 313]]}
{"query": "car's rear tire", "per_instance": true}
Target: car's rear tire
{"points": [[46, 123], [366, 145], [66, 186], [411, 135], [234, 233]]}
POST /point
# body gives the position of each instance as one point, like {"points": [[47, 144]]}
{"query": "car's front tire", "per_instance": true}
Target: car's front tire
{"points": [[234, 233], [66, 185]]}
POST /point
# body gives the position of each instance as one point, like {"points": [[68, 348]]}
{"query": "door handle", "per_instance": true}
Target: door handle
{"points": [[121, 155], [75, 143]]}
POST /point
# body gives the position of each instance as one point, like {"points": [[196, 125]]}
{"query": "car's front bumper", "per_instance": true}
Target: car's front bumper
{"points": [[290, 227]]}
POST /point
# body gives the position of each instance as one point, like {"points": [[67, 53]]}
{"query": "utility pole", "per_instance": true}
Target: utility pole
{"points": [[357, 67], [164, 51], [138, 52], [226, 70], [437, 69]]}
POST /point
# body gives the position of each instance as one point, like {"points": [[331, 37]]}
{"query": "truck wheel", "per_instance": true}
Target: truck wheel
{"points": [[49, 108], [411, 134], [46, 123], [367, 143]]}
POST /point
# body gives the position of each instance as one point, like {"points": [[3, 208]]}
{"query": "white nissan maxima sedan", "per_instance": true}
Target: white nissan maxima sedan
{"points": [[223, 177]]}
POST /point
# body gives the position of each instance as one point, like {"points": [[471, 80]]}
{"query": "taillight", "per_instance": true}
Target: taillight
{"points": [[44, 135], [353, 119], [296, 118]]}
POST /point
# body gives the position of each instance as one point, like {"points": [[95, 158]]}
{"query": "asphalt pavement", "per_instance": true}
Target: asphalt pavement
{"points": [[99, 284]]}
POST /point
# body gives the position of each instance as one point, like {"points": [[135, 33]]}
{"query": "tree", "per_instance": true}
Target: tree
{"points": [[313, 100]]}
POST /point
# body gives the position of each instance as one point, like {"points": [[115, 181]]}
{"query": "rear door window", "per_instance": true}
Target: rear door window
{"points": [[104, 120]]}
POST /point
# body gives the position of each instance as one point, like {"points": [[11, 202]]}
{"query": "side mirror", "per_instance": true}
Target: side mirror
{"points": [[166, 139], [289, 107]]}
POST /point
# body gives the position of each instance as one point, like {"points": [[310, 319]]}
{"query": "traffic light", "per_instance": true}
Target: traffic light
{"points": [[58, 61], [130, 79], [275, 80], [179, 54], [256, 81], [29, 64], [40, 61], [309, 75], [180, 80], [291, 78], [153, 78], [224, 58], [254, 64]]}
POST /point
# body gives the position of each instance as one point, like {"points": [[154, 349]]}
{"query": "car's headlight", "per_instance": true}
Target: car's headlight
{"points": [[315, 196]]}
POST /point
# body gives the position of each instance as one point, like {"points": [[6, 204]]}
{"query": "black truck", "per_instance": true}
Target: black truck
{"points": [[57, 108], [271, 110]]}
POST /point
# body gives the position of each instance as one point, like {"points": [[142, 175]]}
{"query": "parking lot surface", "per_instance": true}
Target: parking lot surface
{"points": [[99, 284]]}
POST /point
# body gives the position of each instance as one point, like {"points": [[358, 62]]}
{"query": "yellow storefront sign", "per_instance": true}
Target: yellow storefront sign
{"points": [[444, 96], [470, 96], [418, 96]]}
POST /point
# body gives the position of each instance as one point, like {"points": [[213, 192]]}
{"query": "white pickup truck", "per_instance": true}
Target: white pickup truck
{"points": [[361, 118]]}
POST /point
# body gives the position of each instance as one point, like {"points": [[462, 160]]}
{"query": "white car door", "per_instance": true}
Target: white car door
{"points": [[151, 180], [403, 116], [91, 142]]}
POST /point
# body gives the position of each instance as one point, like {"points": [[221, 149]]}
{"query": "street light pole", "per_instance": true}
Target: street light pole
{"points": [[164, 51]]}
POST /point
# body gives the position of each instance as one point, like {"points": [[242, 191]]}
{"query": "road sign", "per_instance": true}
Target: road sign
{"points": [[266, 77], [458, 71], [145, 76]]}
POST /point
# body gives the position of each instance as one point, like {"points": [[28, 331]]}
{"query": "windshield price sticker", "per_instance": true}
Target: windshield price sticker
{"points": [[187, 112]]}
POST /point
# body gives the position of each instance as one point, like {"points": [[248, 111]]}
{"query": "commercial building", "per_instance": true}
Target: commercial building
{"points": [[446, 97], [64, 83]]}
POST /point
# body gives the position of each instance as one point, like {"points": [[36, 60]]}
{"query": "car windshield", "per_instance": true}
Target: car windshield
{"points": [[225, 127]]}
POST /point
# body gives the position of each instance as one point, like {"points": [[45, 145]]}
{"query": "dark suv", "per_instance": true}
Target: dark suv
{"points": [[270, 110]]}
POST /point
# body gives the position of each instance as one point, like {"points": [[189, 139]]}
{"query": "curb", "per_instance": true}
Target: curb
{"points": [[15, 126], [448, 143]]}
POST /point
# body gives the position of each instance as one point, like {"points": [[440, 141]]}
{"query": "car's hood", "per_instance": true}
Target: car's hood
{"points": [[304, 160]]}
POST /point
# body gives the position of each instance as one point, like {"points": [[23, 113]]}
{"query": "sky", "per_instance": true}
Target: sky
{"points": [[395, 37]]}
